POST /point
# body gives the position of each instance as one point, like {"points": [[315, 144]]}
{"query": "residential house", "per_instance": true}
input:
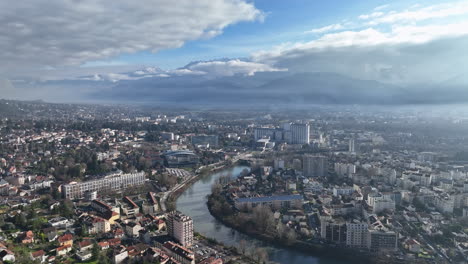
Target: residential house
{"points": [[63, 250], [39, 255], [65, 240], [27, 237], [7, 255]]}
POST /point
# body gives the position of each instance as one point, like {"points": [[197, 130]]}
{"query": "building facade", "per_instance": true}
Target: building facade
{"points": [[112, 182], [300, 134], [278, 201], [180, 227], [211, 140], [315, 166], [357, 235]]}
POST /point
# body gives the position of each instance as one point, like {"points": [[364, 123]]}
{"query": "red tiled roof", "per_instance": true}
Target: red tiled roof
{"points": [[114, 241], [85, 243], [64, 238], [103, 244], [131, 201], [63, 247], [38, 253]]}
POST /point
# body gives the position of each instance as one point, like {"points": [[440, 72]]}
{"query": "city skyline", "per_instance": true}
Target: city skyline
{"points": [[234, 131]]}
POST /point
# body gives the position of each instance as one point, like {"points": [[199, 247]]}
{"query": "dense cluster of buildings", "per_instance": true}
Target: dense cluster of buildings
{"points": [[290, 133], [117, 178], [365, 182]]}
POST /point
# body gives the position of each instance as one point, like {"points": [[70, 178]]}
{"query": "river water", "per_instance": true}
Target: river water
{"points": [[192, 202]]}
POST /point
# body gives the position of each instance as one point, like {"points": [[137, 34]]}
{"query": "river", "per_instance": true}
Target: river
{"points": [[192, 202]]}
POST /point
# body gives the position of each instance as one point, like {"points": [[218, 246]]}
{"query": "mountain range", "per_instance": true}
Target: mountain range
{"points": [[278, 88]]}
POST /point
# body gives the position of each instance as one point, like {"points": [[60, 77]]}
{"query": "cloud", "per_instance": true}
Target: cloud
{"points": [[418, 13], [333, 27], [43, 33], [372, 15], [422, 44], [381, 7], [211, 69], [232, 67], [370, 53], [390, 56], [111, 77]]}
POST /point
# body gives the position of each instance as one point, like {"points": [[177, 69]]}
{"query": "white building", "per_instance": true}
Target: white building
{"points": [[180, 227], [264, 132], [99, 226], [351, 147], [444, 203], [112, 182], [300, 134], [279, 164], [347, 190], [372, 197], [345, 170], [382, 205]]}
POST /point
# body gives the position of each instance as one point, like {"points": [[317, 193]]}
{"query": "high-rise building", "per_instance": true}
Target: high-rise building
{"points": [[279, 164], [286, 126], [300, 134], [180, 227], [381, 240], [264, 132], [333, 230], [351, 147], [287, 136], [357, 235], [315, 166], [345, 170]]}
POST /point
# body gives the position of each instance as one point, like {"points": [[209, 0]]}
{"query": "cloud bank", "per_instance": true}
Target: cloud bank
{"points": [[424, 44], [420, 46], [52, 33]]}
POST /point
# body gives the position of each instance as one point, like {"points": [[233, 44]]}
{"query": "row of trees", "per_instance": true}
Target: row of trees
{"points": [[260, 220]]}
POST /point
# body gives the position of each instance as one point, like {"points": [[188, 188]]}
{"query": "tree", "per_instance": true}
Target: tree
{"points": [[280, 230], [291, 237], [36, 223], [216, 189], [66, 208], [261, 255], [20, 221], [243, 246], [95, 251], [263, 218]]}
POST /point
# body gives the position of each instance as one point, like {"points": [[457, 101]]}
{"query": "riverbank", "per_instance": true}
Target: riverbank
{"points": [[234, 255], [173, 195], [315, 250]]}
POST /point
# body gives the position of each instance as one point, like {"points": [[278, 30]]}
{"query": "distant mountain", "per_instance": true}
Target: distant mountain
{"points": [[261, 88], [331, 88]]}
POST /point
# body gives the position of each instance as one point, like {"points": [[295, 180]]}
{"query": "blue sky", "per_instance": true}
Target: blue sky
{"points": [[89, 39], [285, 21]]}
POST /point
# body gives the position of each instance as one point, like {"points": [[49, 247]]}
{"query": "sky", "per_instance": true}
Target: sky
{"points": [[397, 42]]}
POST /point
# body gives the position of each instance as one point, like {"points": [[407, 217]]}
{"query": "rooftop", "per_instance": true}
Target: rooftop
{"points": [[294, 197]]}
